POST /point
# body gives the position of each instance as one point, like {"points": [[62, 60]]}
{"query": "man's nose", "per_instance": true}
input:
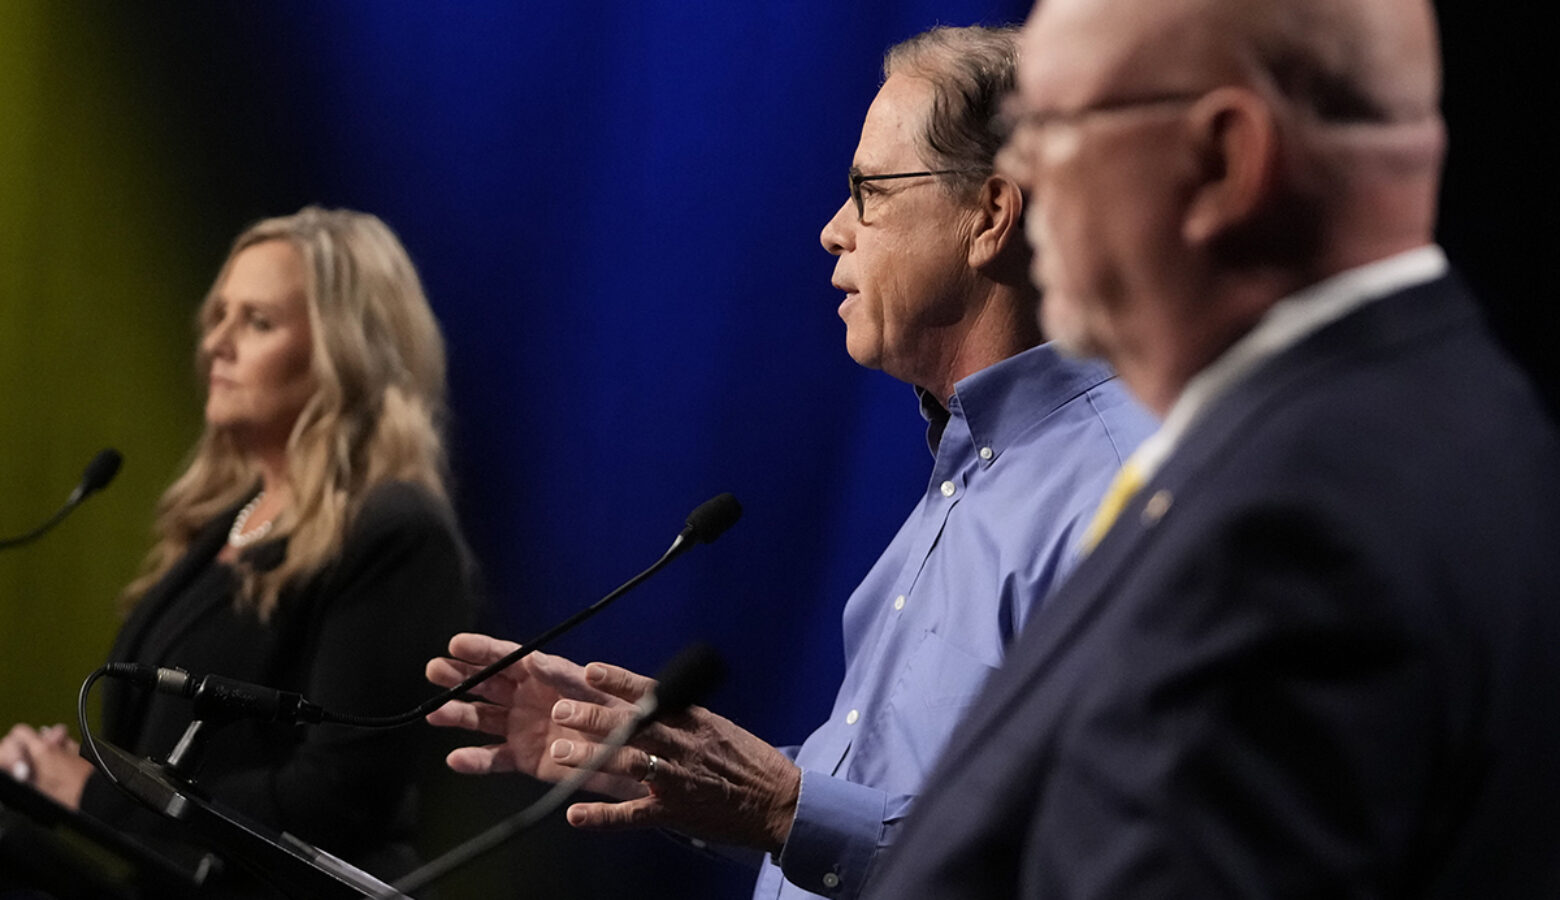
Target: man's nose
{"points": [[839, 233]]}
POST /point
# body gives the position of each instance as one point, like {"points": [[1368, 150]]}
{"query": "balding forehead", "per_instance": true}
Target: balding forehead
{"points": [[1077, 52], [1344, 58], [1350, 59]]}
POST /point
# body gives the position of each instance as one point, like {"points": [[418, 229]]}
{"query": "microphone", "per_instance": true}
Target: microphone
{"points": [[99, 472], [217, 696], [690, 677], [684, 681], [710, 519]]}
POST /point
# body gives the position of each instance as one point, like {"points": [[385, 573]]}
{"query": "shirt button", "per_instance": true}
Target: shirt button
{"points": [[899, 602], [852, 716], [831, 880], [948, 489], [986, 453]]}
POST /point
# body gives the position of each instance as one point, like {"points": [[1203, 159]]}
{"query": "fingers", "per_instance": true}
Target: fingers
{"points": [[27, 740], [447, 673], [47, 759], [622, 777], [480, 760], [456, 714], [484, 718], [590, 718], [59, 773], [496, 758], [14, 759], [568, 679], [618, 682], [471, 654], [641, 813], [11, 744], [480, 649], [626, 762]]}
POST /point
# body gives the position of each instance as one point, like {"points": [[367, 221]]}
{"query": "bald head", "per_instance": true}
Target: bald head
{"points": [[1342, 61], [1191, 162], [1361, 73]]}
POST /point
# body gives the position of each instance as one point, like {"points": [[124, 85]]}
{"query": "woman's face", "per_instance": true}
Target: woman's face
{"points": [[257, 346]]}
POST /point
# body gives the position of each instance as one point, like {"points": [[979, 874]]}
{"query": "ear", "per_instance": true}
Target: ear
{"points": [[1236, 140], [998, 221]]}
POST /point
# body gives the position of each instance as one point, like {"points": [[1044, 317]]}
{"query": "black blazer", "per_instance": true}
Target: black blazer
{"points": [[354, 638], [1318, 655]]}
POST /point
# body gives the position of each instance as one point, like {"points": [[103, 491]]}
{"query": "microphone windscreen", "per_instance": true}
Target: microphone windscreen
{"points": [[100, 471], [688, 678], [712, 517]]}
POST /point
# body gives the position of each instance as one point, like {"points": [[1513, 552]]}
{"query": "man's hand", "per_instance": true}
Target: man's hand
{"points": [[520, 700], [711, 779]]}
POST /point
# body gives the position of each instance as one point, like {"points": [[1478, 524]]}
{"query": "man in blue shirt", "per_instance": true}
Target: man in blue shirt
{"points": [[933, 264]]}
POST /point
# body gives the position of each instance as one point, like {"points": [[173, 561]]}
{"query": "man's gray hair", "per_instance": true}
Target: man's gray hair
{"points": [[971, 69]]}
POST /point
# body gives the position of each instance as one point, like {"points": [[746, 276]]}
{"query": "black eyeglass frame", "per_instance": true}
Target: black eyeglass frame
{"points": [[857, 179]]}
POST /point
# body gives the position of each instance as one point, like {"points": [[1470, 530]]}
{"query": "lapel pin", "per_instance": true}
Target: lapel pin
{"points": [[1157, 506]]}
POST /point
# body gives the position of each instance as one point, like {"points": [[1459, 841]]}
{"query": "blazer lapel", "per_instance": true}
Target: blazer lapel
{"points": [[1411, 315], [121, 707], [151, 608]]}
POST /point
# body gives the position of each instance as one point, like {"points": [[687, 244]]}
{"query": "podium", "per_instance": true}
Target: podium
{"points": [[293, 866], [45, 846]]}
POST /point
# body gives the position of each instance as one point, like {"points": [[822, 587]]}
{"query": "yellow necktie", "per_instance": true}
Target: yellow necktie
{"points": [[1127, 482]]}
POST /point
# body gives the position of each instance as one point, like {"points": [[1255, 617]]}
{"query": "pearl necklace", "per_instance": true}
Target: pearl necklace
{"points": [[236, 536]]}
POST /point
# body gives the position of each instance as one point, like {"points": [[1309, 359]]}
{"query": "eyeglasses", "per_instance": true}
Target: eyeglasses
{"points": [[857, 179]]}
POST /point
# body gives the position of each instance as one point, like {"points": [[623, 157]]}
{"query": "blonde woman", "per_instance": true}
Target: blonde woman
{"points": [[309, 545]]}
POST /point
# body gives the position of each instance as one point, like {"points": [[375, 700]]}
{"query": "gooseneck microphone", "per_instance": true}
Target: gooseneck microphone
{"points": [[708, 521], [99, 472], [216, 697], [684, 681]]}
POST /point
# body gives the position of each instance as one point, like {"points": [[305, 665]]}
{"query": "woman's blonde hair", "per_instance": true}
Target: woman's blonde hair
{"points": [[376, 415]]}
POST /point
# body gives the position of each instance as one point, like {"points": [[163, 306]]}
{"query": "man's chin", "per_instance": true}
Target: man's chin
{"points": [[1066, 332], [864, 346], [1076, 347]]}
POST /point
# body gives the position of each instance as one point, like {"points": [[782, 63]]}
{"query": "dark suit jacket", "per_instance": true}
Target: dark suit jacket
{"points": [[1324, 662], [354, 639]]}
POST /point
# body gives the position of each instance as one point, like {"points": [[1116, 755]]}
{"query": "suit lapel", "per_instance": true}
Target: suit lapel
{"points": [[1407, 317]]}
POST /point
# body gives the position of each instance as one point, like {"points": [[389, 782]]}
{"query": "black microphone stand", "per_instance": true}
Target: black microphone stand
{"points": [[100, 471], [291, 865]]}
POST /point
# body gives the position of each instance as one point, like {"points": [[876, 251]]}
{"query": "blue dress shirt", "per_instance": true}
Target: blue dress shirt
{"points": [[1023, 455]]}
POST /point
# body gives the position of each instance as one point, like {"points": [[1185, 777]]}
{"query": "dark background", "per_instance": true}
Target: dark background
{"points": [[615, 209]]}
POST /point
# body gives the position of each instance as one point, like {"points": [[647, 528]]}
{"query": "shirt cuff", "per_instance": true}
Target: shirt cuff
{"points": [[837, 830]]}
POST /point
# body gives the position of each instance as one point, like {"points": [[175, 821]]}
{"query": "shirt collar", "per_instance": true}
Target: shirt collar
{"points": [[1288, 322], [1004, 400]]}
